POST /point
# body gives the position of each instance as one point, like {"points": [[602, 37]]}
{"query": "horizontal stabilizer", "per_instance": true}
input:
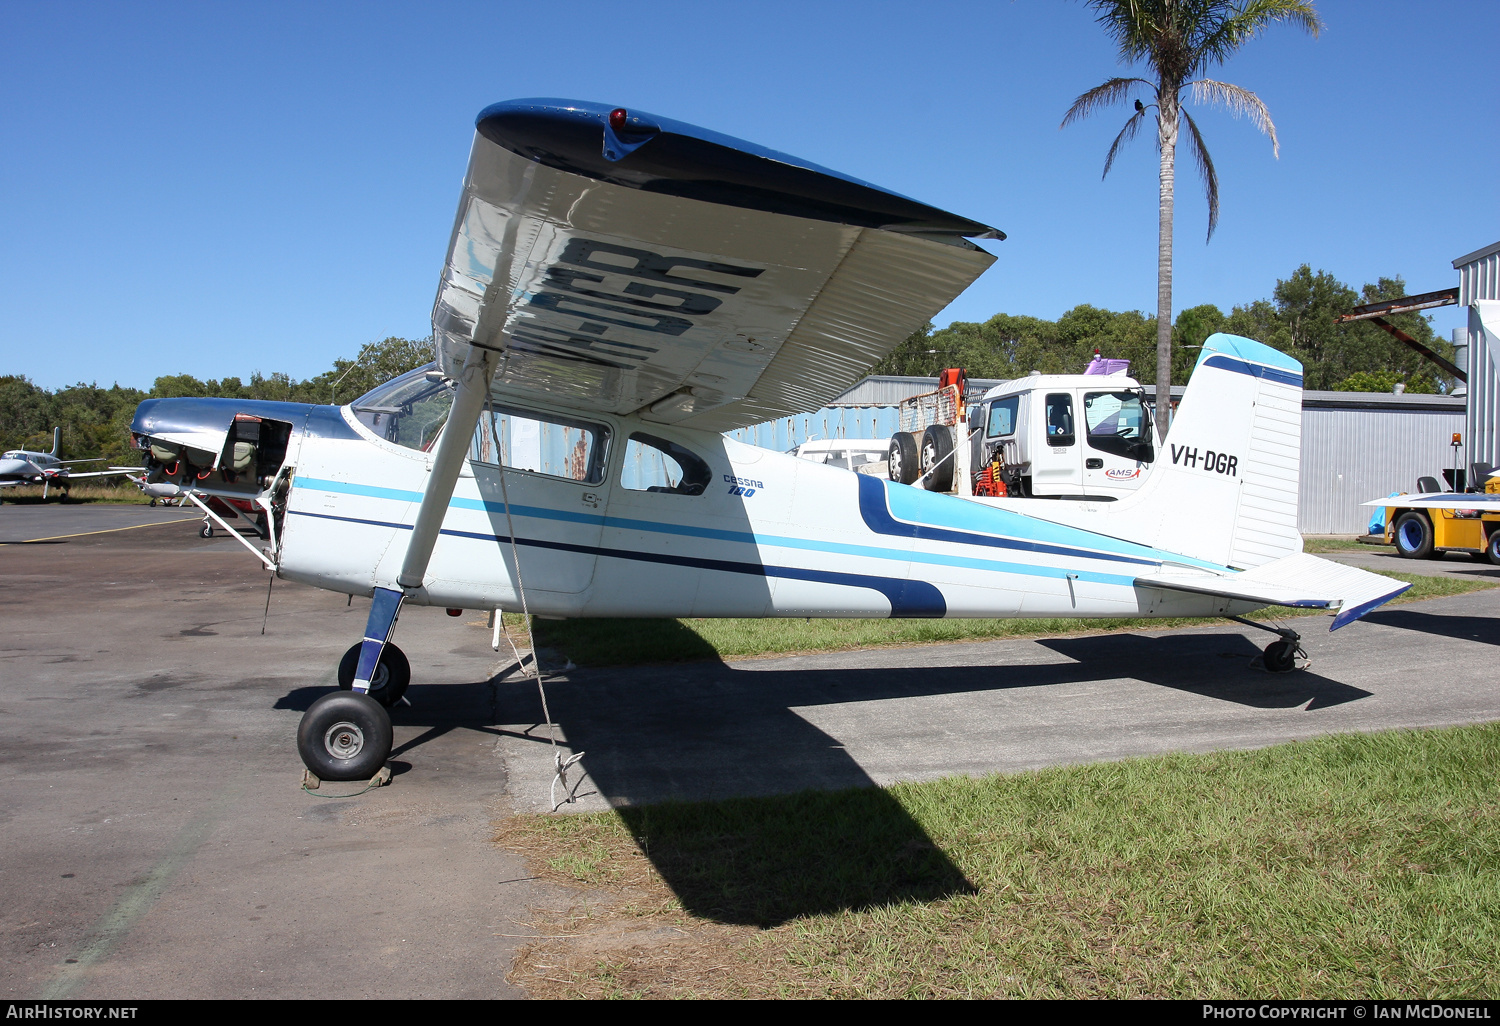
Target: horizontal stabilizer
{"points": [[1299, 580]]}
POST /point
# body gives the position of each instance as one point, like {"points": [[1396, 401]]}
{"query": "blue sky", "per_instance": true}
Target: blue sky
{"points": [[216, 188]]}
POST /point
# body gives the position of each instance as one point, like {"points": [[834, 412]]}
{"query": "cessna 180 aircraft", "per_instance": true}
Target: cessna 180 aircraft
{"points": [[620, 289]]}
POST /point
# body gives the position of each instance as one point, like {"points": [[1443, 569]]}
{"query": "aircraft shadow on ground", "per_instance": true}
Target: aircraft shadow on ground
{"points": [[1483, 629], [730, 792]]}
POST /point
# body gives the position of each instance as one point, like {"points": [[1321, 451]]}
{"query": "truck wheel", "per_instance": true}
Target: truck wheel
{"points": [[1493, 548], [937, 449], [1413, 535], [901, 461]]}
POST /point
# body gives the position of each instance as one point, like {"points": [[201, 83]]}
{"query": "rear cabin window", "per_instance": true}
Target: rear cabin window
{"points": [[540, 444], [655, 464], [1003, 414], [1059, 419]]}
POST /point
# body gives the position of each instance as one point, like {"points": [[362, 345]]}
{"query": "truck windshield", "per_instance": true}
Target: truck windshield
{"points": [[1118, 423], [409, 410]]}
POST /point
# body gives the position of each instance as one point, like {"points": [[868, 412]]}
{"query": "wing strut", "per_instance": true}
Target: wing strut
{"points": [[453, 448]]}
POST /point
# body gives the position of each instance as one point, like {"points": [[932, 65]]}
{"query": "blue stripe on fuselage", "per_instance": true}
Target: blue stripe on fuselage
{"points": [[907, 512], [961, 523], [908, 599]]}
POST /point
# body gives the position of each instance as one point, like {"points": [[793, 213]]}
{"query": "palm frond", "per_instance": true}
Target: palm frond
{"points": [[1224, 37], [1239, 102], [1206, 170], [1127, 133], [1113, 91]]}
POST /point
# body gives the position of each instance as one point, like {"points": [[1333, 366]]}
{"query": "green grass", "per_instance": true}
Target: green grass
{"points": [[1341, 545], [629, 642], [1361, 865], [81, 492]]}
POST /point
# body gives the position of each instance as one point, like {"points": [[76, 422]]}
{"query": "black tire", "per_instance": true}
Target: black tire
{"points": [[937, 449], [901, 460], [392, 673], [1413, 535], [1280, 656], [206, 531], [153, 503], [1492, 550], [344, 736]]}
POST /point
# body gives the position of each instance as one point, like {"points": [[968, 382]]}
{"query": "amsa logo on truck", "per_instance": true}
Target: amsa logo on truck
{"points": [[1210, 462]]}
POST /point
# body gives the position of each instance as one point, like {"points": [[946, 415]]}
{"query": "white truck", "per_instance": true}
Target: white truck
{"points": [[1060, 436]]}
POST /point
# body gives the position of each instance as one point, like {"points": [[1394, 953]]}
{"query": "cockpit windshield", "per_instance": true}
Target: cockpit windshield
{"points": [[409, 410]]}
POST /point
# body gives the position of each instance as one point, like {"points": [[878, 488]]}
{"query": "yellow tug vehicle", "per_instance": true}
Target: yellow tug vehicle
{"points": [[1437, 522]]}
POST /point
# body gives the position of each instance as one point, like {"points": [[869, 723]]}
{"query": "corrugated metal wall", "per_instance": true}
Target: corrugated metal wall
{"points": [[1479, 278], [1350, 455], [829, 422]]}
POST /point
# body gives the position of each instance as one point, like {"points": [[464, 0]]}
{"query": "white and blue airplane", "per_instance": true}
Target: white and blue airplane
{"points": [[620, 289], [30, 467]]}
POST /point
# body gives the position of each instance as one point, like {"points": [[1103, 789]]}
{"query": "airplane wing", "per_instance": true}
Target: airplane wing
{"points": [[625, 262], [1300, 580], [1488, 501], [111, 472]]}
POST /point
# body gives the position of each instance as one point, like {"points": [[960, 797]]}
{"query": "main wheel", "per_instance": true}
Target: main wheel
{"points": [[392, 673], [1493, 548], [937, 447], [1280, 656], [1413, 535], [206, 531], [344, 736], [901, 460], [153, 503]]}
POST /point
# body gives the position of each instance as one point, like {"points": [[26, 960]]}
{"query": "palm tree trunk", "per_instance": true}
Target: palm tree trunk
{"points": [[1168, 136]]}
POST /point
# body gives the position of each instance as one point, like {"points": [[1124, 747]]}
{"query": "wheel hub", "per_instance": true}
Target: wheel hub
{"points": [[343, 740]]}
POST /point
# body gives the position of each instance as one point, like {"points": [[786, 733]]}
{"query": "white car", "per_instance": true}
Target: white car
{"points": [[861, 455]]}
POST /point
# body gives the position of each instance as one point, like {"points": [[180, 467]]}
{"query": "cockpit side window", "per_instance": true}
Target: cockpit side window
{"points": [[655, 464], [541, 444]]}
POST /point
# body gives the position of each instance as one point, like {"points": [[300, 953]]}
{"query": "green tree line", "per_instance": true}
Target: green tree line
{"points": [[1299, 319], [96, 421]]}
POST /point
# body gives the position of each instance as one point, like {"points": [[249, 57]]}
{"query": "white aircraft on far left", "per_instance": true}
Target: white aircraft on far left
{"points": [[25, 467]]}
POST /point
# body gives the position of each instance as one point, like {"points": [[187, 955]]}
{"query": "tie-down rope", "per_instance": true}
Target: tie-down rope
{"points": [[562, 765]]}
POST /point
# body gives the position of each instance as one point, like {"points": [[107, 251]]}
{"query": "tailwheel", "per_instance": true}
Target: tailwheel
{"points": [[392, 673], [344, 736], [1280, 656]]}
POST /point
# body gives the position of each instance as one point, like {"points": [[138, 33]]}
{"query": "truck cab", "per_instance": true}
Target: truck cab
{"points": [[1065, 436]]}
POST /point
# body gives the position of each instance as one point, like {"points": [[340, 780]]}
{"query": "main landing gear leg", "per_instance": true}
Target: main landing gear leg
{"points": [[1278, 656], [347, 735]]}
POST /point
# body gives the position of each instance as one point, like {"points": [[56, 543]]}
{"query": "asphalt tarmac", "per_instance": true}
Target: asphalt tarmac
{"points": [[156, 842], [154, 838]]}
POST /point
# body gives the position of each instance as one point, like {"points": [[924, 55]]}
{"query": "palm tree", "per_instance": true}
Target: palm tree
{"points": [[1180, 39]]}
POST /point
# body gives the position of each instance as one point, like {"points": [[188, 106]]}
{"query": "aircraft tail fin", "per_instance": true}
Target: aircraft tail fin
{"points": [[1224, 484], [56, 442]]}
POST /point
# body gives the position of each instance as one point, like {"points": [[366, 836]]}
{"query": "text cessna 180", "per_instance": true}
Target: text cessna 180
{"points": [[620, 289]]}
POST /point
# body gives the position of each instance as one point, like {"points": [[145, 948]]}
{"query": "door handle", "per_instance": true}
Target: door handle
{"points": [[1094, 464]]}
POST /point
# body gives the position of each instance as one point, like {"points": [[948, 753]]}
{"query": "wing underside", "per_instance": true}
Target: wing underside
{"points": [[638, 294]]}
